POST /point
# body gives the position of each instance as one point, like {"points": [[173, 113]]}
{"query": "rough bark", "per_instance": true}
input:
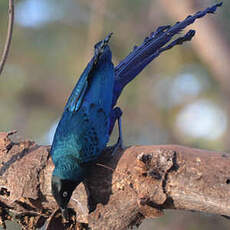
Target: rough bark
{"points": [[139, 182]]}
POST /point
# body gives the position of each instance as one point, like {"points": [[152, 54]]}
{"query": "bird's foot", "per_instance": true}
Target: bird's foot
{"points": [[117, 146]]}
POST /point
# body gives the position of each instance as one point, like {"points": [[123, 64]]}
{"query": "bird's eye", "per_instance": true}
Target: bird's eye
{"points": [[65, 194]]}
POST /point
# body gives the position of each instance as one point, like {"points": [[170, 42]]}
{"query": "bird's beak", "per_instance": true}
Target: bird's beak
{"points": [[65, 213]]}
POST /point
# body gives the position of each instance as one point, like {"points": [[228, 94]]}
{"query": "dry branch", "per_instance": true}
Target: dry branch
{"points": [[8, 36], [140, 182]]}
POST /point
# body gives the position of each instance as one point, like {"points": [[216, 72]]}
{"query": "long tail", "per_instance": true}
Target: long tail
{"points": [[152, 46]]}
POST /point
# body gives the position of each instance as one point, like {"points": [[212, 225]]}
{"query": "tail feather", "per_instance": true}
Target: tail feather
{"points": [[152, 46]]}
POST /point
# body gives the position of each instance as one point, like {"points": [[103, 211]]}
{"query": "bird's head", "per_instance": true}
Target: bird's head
{"points": [[67, 175], [62, 191]]}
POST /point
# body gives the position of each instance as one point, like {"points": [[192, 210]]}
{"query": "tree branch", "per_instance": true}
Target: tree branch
{"points": [[139, 182], [9, 35]]}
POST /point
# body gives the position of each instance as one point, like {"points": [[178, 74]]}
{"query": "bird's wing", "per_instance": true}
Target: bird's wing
{"points": [[92, 135], [76, 98], [82, 135]]}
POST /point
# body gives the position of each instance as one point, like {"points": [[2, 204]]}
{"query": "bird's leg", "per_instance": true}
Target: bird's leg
{"points": [[120, 138], [119, 143], [116, 116]]}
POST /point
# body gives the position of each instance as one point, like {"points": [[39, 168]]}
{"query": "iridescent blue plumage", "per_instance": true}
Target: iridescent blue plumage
{"points": [[83, 130]]}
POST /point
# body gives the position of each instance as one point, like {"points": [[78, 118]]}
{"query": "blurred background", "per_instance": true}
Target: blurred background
{"points": [[182, 97]]}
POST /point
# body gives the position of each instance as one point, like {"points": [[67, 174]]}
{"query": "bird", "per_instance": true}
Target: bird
{"points": [[83, 131], [91, 112]]}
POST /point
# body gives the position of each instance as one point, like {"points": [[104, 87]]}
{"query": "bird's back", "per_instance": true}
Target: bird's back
{"points": [[83, 130]]}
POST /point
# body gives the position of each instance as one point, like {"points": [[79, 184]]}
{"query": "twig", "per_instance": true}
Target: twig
{"points": [[9, 35]]}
